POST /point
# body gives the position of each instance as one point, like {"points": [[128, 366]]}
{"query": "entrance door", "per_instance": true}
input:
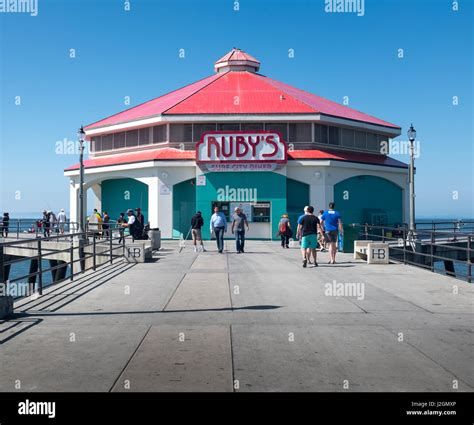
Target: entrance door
{"points": [[184, 207]]}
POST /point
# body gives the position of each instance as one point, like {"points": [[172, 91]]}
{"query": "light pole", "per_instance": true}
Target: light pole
{"points": [[411, 138], [81, 137]]}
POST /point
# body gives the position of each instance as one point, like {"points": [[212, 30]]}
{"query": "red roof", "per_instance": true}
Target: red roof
{"points": [[238, 92], [171, 154]]}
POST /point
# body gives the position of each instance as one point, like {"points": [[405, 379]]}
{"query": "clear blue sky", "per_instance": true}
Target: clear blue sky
{"points": [[135, 53]]}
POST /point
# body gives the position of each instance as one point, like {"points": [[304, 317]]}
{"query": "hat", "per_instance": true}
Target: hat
{"points": [[129, 211], [138, 209], [62, 209]]}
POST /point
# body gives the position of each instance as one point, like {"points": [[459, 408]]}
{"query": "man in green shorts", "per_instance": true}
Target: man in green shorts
{"points": [[309, 230]]}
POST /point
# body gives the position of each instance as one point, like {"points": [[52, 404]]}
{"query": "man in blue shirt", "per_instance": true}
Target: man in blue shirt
{"points": [[219, 226], [331, 222]]}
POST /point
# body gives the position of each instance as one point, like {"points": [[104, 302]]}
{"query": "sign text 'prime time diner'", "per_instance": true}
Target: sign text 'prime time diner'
{"points": [[241, 147]]}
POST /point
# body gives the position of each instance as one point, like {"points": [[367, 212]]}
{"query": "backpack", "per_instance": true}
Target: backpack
{"points": [[282, 228]]}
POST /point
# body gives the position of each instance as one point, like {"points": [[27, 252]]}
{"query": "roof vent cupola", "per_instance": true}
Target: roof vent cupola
{"points": [[237, 60]]}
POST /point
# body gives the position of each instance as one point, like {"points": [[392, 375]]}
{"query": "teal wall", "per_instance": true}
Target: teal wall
{"points": [[270, 187], [118, 195], [371, 199], [184, 207], [297, 195]]}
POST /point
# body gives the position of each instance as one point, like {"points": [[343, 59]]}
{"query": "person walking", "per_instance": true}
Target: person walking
{"points": [[95, 220], [239, 222], [54, 222], [298, 228], [218, 225], [284, 231], [310, 227], [331, 223], [321, 240], [46, 224], [5, 224], [121, 220], [196, 225], [106, 225], [62, 221]]}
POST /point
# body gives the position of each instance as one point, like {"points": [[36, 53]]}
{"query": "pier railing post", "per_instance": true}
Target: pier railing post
{"points": [[2, 268], [432, 251], [110, 248], [40, 269], [93, 252], [469, 264], [71, 257], [123, 244], [404, 246]]}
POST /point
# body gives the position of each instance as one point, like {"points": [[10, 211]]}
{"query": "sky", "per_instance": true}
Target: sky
{"points": [[403, 61]]}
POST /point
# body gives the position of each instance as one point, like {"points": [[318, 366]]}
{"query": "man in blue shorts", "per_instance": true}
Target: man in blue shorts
{"points": [[309, 228], [331, 222]]}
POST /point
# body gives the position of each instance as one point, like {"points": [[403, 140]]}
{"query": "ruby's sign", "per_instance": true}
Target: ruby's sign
{"points": [[241, 147]]}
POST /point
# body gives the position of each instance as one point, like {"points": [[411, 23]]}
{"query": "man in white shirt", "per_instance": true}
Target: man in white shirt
{"points": [[62, 220]]}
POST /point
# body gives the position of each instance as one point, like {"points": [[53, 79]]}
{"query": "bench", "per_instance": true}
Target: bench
{"points": [[360, 249], [372, 252], [138, 252]]}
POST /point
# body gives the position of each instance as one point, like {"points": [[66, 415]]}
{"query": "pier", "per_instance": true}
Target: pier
{"points": [[258, 321]]}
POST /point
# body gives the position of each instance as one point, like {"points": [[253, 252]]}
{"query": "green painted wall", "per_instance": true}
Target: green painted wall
{"points": [[184, 207], [297, 195], [270, 187], [369, 199], [118, 195]]}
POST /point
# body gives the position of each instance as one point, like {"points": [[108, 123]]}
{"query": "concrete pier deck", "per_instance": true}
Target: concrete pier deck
{"points": [[251, 322]]}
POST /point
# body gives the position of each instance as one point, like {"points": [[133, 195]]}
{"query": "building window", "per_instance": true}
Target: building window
{"points": [[107, 142], [119, 140], [281, 128], [228, 127], [132, 138], [300, 132], [333, 135], [96, 144], [347, 138], [372, 142], [261, 212], [144, 136], [200, 129], [360, 140], [320, 133], [252, 126], [180, 133], [159, 133]]}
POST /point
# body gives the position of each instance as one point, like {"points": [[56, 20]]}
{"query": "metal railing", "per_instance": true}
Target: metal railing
{"points": [[422, 249], [80, 252], [24, 227]]}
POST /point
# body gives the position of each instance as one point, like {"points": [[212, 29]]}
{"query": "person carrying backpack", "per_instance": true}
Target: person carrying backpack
{"points": [[284, 231], [196, 224]]}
